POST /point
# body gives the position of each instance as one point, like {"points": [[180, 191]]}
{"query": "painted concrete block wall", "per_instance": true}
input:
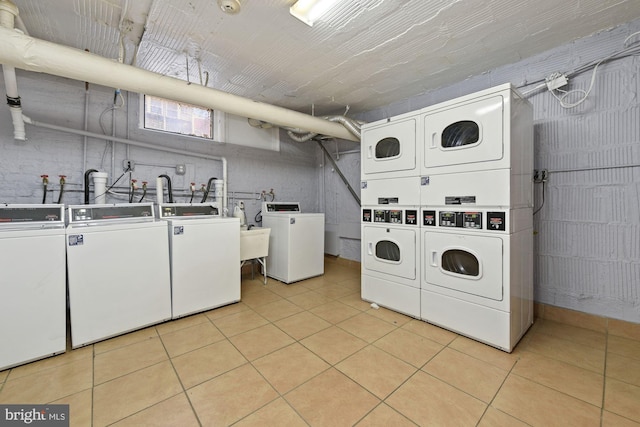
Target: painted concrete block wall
{"points": [[587, 241], [292, 172]]}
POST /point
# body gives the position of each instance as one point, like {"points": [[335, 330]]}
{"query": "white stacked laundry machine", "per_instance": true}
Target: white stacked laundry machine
{"points": [[473, 173]]}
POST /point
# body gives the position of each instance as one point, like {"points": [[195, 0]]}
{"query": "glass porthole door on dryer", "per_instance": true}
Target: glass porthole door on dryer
{"points": [[389, 250], [468, 133], [389, 150], [464, 263]]}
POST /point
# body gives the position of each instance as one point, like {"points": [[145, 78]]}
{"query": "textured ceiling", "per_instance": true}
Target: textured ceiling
{"points": [[362, 54]]}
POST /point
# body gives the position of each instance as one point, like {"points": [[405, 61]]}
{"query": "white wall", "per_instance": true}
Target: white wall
{"points": [[587, 239], [292, 172]]}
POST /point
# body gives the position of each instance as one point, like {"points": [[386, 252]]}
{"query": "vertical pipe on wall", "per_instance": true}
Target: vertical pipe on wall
{"points": [[8, 13]]}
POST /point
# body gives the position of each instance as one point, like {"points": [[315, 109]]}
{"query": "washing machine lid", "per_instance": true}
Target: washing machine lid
{"points": [[31, 216], [280, 207], [187, 210], [111, 213]]}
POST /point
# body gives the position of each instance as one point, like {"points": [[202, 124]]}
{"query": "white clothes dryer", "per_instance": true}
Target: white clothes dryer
{"points": [[390, 148], [118, 270], [490, 129], [477, 273], [390, 258], [33, 283], [205, 257]]}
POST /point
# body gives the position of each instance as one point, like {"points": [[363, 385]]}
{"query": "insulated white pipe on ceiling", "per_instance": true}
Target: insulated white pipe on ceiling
{"points": [[28, 53]]}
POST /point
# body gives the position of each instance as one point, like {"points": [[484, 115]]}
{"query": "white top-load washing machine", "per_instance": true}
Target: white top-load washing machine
{"points": [[296, 241], [118, 270], [205, 257], [32, 284]]}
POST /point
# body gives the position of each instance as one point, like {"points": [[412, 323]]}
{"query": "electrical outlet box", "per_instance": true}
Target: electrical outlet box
{"points": [[128, 165], [181, 169], [556, 81]]}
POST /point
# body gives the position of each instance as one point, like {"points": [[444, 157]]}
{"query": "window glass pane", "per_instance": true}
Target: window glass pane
{"points": [[387, 250], [387, 147], [460, 262], [176, 117], [460, 134]]}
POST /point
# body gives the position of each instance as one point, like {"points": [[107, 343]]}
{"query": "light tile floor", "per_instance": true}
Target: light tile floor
{"points": [[313, 353]]}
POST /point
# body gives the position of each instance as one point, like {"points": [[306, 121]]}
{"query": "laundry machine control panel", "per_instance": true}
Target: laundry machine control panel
{"points": [[473, 220], [391, 216]]}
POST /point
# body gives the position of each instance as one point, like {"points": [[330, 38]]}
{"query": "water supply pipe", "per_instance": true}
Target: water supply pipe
{"points": [[169, 190], [31, 54], [8, 14], [86, 184]]}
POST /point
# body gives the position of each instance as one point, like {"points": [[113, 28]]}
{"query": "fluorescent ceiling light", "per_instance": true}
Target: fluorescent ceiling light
{"points": [[309, 11]]}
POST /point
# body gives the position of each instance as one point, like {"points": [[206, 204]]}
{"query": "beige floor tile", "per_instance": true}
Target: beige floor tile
{"points": [[124, 396], [124, 340], [175, 411], [125, 360], [50, 384], [366, 327], [331, 399], [624, 329], [376, 370], [393, 317], [572, 333], [566, 351], [575, 318], [333, 344], [409, 347], [231, 396], [287, 291], [494, 418], [71, 356], [185, 322], [480, 379], [289, 367], [333, 291], [486, 353], [354, 300], [385, 416], [334, 312], [622, 399], [302, 325], [427, 401], [354, 284], [432, 332], [623, 368], [262, 297], [238, 323], [539, 405], [308, 300], [227, 310], [4, 375], [610, 419], [79, 408], [318, 282], [208, 362], [260, 341], [276, 413], [572, 380], [277, 310], [624, 347], [191, 338]]}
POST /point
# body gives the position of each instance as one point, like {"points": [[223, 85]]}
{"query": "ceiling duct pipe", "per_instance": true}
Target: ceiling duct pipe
{"points": [[8, 14], [351, 125], [31, 54]]}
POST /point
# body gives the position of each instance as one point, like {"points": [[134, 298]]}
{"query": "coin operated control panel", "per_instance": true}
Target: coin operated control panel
{"points": [[470, 220], [390, 216]]}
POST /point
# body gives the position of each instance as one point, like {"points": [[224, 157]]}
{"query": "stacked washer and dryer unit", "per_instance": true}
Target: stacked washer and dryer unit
{"points": [[473, 179]]}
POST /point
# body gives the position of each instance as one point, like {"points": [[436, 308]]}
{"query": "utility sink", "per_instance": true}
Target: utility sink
{"points": [[254, 243]]}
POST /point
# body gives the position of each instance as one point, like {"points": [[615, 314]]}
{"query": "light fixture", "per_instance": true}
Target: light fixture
{"points": [[309, 11]]}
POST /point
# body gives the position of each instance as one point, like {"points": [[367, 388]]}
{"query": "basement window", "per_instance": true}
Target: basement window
{"points": [[177, 117]]}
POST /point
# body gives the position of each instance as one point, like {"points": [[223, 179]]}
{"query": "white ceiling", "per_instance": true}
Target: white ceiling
{"points": [[363, 53]]}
